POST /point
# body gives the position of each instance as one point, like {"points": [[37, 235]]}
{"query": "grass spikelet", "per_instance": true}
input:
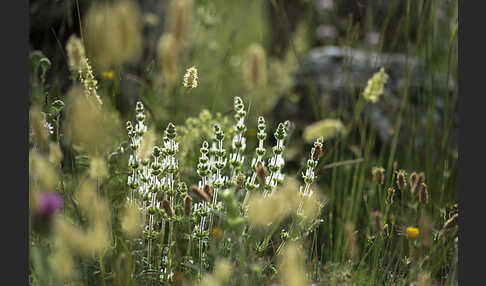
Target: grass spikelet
{"points": [[42, 171], [168, 58], [89, 128], [288, 195], [352, 249], [423, 279], [76, 53], [401, 180], [262, 211], [311, 207], [378, 174], [113, 34], [190, 78], [255, 67], [200, 193], [168, 210], [377, 221], [220, 276], [62, 264], [187, 205], [375, 87], [292, 271], [416, 180], [91, 204], [180, 20], [55, 153], [147, 145], [327, 129], [98, 168], [208, 191], [452, 222], [223, 270], [129, 19], [38, 126], [132, 221], [423, 194]]}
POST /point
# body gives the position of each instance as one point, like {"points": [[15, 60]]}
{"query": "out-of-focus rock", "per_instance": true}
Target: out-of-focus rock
{"points": [[331, 79]]}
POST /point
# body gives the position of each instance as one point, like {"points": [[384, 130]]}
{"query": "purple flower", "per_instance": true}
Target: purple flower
{"points": [[48, 204]]}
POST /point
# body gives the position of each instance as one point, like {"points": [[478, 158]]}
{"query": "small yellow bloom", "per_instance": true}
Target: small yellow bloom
{"points": [[412, 233], [251, 132], [108, 75], [217, 233]]}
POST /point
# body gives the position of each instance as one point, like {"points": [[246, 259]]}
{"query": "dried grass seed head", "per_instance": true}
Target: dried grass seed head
{"points": [[416, 180], [401, 180], [187, 205], [168, 58], [255, 67], [76, 53], [200, 193], [378, 174], [423, 194], [168, 210], [132, 221], [38, 126], [325, 129], [292, 270], [98, 168], [180, 20], [113, 33], [89, 128]]}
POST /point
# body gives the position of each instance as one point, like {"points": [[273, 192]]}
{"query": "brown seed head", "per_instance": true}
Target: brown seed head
{"points": [[415, 181], [378, 174], [452, 222], [208, 191], [261, 172], [201, 194], [187, 205], [168, 210], [451, 209], [423, 194], [318, 151], [401, 180], [377, 218]]}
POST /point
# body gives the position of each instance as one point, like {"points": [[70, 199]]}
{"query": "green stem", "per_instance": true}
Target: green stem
{"points": [[102, 269]]}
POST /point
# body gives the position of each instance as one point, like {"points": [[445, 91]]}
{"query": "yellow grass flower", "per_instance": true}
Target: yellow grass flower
{"points": [[109, 75], [412, 233], [217, 233]]}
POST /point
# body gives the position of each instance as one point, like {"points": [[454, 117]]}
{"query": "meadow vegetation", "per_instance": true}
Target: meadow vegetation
{"points": [[165, 162]]}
